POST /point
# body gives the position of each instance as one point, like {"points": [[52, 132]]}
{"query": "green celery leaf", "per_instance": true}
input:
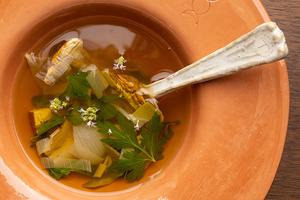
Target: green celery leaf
{"points": [[150, 136], [132, 165], [58, 173], [51, 123], [78, 87]]}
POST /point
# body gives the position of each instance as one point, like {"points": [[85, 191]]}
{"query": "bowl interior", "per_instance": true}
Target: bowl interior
{"points": [[113, 35], [233, 137]]}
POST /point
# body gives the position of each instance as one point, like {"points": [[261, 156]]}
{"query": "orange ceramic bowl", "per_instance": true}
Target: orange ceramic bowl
{"points": [[233, 135]]}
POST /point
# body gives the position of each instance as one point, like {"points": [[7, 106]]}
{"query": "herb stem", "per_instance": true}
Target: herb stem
{"points": [[152, 159]]}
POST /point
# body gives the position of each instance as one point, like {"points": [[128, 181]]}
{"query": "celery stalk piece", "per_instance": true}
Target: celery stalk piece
{"points": [[97, 82]]}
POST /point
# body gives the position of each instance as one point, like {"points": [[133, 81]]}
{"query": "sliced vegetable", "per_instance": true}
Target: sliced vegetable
{"points": [[127, 86], [106, 179], [96, 80], [73, 164], [88, 145], [143, 114], [55, 121], [65, 151], [58, 138], [111, 152], [102, 167], [43, 146], [39, 116]]}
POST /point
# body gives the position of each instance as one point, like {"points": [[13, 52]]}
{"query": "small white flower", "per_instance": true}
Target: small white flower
{"points": [[119, 63], [91, 124], [67, 98], [81, 110], [136, 126], [109, 132]]}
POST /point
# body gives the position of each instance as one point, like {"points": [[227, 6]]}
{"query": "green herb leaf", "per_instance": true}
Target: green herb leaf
{"points": [[121, 138], [58, 173], [74, 117], [132, 165], [40, 101], [107, 111], [78, 87], [51, 123], [150, 136]]}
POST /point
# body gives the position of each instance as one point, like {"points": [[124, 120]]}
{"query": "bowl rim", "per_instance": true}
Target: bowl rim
{"points": [[285, 91]]}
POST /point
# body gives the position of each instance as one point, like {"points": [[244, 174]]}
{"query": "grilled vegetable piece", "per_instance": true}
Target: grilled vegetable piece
{"points": [[39, 116], [127, 86], [62, 59]]}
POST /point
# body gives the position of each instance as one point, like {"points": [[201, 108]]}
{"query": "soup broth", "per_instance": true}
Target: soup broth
{"points": [[106, 38]]}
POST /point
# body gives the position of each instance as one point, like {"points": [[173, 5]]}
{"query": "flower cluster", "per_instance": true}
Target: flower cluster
{"points": [[119, 63], [89, 115], [57, 104]]}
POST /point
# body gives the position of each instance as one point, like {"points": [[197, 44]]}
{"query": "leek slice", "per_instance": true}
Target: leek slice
{"points": [[58, 138], [43, 146], [143, 114], [103, 167], [83, 165], [65, 151], [96, 80]]}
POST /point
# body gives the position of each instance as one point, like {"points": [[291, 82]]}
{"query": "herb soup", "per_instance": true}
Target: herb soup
{"points": [[119, 47]]}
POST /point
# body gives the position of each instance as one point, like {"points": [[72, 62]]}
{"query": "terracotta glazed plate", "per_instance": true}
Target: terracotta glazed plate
{"points": [[237, 125]]}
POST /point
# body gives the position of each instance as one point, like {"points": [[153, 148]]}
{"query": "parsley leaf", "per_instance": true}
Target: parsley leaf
{"points": [[150, 136], [124, 137], [132, 165], [58, 173], [51, 123], [78, 87]]}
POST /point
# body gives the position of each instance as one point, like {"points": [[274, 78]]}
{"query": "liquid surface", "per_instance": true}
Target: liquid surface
{"points": [[106, 39]]}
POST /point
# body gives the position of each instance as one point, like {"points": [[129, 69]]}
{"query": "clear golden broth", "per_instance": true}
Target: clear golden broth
{"points": [[106, 38]]}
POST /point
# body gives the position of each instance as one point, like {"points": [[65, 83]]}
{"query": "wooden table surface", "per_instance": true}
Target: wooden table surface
{"points": [[286, 185]]}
